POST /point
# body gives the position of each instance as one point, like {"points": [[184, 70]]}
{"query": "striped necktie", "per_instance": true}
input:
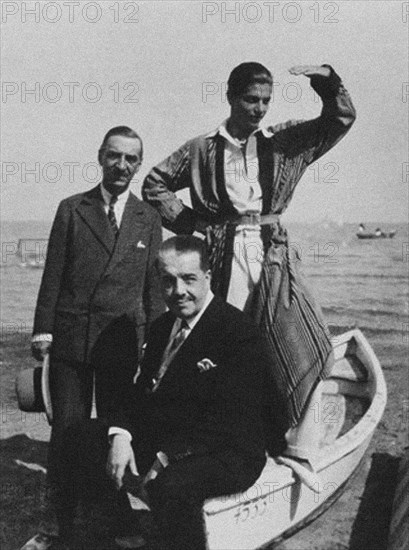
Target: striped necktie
{"points": [[180, 337], [170, 352], [111, 215]]}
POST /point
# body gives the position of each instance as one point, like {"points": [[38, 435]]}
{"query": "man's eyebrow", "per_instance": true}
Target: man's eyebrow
{"points": [[255, 95], [119, 153]]}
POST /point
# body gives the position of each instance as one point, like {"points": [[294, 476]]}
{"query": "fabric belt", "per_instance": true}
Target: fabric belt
{"points": [[255, 218]]}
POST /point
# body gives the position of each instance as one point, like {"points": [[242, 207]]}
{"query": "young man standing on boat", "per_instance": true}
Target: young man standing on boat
{"points": [[241, 178], [99, 294]]}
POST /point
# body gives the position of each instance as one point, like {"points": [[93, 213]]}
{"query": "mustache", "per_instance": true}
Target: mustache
{"points": [[117, 174]]}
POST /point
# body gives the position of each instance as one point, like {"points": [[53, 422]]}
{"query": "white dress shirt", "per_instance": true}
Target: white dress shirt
{"points": [[119, 206], [241, 170]]}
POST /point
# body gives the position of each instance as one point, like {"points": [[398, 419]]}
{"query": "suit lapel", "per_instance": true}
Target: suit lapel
{"points": [[91, 210], [157, 344], [206, 328], [132, 219]]}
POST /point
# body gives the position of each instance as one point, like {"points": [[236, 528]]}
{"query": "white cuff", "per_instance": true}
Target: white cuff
{"points": [[42, 337]]}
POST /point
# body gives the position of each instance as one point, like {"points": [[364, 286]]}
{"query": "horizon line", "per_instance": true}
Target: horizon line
{"points": [[307, 222]]}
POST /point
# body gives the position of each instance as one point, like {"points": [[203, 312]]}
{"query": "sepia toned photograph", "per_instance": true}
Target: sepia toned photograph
{"points": [[204, 299]]}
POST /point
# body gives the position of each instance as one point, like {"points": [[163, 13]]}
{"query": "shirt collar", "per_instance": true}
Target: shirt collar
{"points": [[191, 323], [222, 130], [106, 195]]}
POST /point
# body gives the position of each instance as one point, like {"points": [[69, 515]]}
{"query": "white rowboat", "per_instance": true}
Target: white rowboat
{"points": [[278, 505]]}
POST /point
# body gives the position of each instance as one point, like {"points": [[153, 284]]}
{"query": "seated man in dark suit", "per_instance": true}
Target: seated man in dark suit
{"points": [[196, 408], [196, 404]]}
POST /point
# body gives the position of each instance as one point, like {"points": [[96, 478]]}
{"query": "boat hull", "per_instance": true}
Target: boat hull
{"points": [[279, 504], [374, 236], [278, 514]]}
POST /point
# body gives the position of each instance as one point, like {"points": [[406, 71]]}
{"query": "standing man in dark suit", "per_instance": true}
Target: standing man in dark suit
{"points": [[99, 293], [197, 404]]}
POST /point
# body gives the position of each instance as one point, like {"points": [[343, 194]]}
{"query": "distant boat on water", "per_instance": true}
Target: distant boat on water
{"points": [[32, 252], [377, 234]]}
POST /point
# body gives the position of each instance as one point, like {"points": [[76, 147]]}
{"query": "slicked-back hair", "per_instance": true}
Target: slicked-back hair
{"points": [[124, 131], [245, 75], [187, 243]]}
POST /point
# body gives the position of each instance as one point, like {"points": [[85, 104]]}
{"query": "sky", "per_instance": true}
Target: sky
{"points": [[72, 70]]}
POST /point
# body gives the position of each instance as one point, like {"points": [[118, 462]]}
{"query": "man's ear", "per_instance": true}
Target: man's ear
{"points": [[100, 155]]}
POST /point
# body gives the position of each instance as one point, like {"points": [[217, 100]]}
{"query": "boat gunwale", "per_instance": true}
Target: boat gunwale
{"points": [[367, 424]]}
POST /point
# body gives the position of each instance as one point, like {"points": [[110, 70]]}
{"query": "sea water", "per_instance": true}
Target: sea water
{"points": [[361, 283]]}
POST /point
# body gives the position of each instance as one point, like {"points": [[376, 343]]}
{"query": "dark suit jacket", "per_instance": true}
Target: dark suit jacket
{"points": [[93, 288], [192, 412]]}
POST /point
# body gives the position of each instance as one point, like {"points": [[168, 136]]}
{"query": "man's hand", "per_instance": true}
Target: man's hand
{"points": [[310, 70], [119, 457], [40, 349]]}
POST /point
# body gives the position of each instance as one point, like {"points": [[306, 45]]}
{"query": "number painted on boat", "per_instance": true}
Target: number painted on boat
{"points": [[251, 510]]}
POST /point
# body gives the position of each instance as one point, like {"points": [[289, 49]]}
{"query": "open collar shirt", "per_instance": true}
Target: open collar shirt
{"points": [[241, 169]]}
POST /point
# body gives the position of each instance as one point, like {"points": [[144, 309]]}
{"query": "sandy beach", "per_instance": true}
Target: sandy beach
{"points": [[358, 520]]}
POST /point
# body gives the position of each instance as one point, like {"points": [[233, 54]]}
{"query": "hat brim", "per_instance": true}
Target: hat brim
{"points": [[45, 388], [33, 389]]}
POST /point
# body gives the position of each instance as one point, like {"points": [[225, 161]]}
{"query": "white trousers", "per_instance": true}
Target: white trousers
{"points": [[246, 266]]}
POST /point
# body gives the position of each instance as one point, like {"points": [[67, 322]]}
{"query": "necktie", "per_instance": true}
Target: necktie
{"points": [[170, 352], [111, 215], [180, 337]]}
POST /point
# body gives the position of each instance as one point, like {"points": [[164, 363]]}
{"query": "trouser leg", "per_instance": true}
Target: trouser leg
{"points": [[303, 440], [246, 267], [93, 446], [115, 365], [177, 496], [93, 479], [71, 397], [111, 381]]}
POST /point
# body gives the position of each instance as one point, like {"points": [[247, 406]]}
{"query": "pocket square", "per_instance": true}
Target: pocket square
{"points": [[140, 245], [205, 364]]}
